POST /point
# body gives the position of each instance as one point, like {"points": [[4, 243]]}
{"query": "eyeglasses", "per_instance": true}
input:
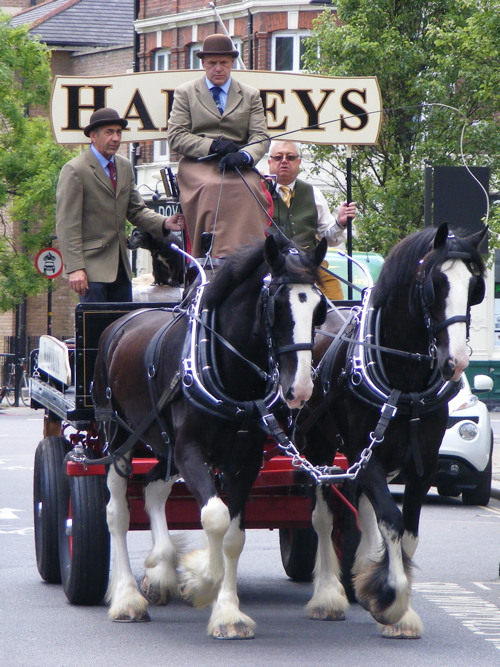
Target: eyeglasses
{"points": [[280, 158]]}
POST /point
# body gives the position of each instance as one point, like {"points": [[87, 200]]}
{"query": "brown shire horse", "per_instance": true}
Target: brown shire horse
{"points": [[198, 390], [381, 398]]}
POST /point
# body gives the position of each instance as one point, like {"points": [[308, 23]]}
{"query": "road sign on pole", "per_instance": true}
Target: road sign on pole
{"points": [[49, 262]]}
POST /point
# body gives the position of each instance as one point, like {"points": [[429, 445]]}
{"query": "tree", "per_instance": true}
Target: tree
{"points": [[30, 162], [422, 52]]}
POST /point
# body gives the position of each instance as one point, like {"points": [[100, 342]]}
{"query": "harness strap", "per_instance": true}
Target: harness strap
{"points": [[414, 439], [135, 436], [387, 412]]}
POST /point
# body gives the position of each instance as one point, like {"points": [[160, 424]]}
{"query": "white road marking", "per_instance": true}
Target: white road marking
{"points": [[480, 617], [8, 513], [19, 531]]}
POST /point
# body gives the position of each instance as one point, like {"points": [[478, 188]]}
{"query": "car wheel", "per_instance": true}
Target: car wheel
{"points": [[482, 493]]}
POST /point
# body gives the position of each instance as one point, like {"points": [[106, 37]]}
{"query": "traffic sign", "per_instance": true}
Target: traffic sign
{"points": [[49, 262]]}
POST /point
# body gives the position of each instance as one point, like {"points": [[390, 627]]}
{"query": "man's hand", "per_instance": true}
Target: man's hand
{"points": [[346, 211], [233, 160], [174, 223], [78, 281], [223, 147]]}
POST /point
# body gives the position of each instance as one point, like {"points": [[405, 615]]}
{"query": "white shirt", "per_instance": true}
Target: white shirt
{"points": [[328, 226]]}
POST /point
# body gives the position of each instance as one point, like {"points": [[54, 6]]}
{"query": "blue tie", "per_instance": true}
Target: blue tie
{"points": [[216, 91]]}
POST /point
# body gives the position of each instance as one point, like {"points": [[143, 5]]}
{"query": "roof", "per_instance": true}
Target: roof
{"points": [[80, 22]]}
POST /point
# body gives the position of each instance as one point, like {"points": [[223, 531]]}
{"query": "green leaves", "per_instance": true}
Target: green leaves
{"points": [[422, 53], [30, 163]]}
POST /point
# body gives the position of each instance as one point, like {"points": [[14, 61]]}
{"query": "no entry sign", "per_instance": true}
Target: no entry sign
{"points": [[49, 262]]}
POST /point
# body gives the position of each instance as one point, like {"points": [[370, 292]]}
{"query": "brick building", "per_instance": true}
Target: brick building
{"points": [[83, 43], [269, 35]]}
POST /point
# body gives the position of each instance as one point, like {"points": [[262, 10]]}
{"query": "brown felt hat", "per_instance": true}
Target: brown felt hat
{"points": [[104, 117], [217, 45]]}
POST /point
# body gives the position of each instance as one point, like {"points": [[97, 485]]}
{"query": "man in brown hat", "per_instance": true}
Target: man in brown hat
{"points": [[96, 194], [216, 115]]}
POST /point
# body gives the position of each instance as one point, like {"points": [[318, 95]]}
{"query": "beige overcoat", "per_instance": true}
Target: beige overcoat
{"points": [[224, 206], [90, 216]]}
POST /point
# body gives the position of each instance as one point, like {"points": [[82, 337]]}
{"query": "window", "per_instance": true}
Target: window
{"points": [[162, 60], [162, 63], [288, 51], [194, 61]]}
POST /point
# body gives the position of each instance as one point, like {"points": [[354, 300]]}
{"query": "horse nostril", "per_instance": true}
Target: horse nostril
{"points": [[289, 394]]}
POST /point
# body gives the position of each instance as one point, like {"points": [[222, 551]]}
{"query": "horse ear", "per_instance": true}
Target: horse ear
{"points": [[477, 238], [441, 235], [319, 252], [272, 254]]}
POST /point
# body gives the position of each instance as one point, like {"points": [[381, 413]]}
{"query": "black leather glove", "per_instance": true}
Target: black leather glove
{"points": [[233, 160], [223, 147]]}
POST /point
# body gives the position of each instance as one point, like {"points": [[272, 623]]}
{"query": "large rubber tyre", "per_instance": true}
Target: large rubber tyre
{"points": [[83, 538], [482, 493], [49, 457], [298, 552]]}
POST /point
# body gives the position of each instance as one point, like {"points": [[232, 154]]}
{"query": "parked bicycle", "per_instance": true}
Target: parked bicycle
{"points": [[9, 390]]}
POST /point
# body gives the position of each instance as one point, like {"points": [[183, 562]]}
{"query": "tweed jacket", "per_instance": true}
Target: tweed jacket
{"points": [[90, 216], [195, 120]]}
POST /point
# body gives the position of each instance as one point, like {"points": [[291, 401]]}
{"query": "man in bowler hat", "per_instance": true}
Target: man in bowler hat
{"points": [[96, 194], [219, 116]]}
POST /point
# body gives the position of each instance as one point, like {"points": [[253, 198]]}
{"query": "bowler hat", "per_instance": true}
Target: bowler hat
{"points": [[104, 117], [217, 45]]}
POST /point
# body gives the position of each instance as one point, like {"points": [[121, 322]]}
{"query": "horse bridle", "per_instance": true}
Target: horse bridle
{"points": [[427, 296]]}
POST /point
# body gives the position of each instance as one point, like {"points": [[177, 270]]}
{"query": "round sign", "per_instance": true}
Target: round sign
{"points": [[49, 262]]}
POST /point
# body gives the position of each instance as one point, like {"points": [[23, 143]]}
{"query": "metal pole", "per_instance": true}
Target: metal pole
{"points": [[428, 195], [348, 150], [221, 23]]}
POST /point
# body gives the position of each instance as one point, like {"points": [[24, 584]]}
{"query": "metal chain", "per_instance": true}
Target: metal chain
{"points": [[327, 474]]}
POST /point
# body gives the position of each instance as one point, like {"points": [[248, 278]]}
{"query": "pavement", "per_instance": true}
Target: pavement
{"points": [[494, 414]]}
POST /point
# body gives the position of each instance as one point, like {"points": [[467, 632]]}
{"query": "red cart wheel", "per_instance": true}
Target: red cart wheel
{"points": [[298, 552]]}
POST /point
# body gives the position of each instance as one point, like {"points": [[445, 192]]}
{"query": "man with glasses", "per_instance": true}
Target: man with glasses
{"points": [[301, 210], [218, 116]]}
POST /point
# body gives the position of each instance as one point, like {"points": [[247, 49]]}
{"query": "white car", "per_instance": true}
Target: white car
{"points": [[467, 447]]}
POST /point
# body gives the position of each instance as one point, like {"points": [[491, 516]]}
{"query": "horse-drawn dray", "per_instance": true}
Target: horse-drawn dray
{"points": [[204, 388], [70, 495]]}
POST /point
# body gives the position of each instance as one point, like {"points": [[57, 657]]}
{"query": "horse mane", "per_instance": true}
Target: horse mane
{"points": [[238, 268], [400, 269]]}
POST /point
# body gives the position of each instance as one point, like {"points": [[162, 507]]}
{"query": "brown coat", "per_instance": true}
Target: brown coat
{"points": [[90, 216], [195, 120], [212, 203]]}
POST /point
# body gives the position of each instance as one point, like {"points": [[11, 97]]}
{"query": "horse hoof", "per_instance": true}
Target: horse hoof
{"points": [[395, 632], [233, 631], [325, 615], [154, 595], [129, 618], [188, 601]]}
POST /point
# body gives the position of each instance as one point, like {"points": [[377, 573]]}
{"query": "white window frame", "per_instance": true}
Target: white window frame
{"points": [[161, 152], [194, 61], [297, 36]]}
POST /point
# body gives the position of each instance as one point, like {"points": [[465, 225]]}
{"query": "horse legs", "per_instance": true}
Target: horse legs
{"points": [[204, 568], [127, 603], [329, 602], [226, 620], [159, 584], [382, 584]]}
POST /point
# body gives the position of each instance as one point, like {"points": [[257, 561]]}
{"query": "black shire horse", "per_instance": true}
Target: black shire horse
{"points": [[381, 398], [197, 390]]}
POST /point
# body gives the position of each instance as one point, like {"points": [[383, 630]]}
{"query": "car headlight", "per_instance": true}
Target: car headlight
{"points": [[468, 430], [468, 402]]}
